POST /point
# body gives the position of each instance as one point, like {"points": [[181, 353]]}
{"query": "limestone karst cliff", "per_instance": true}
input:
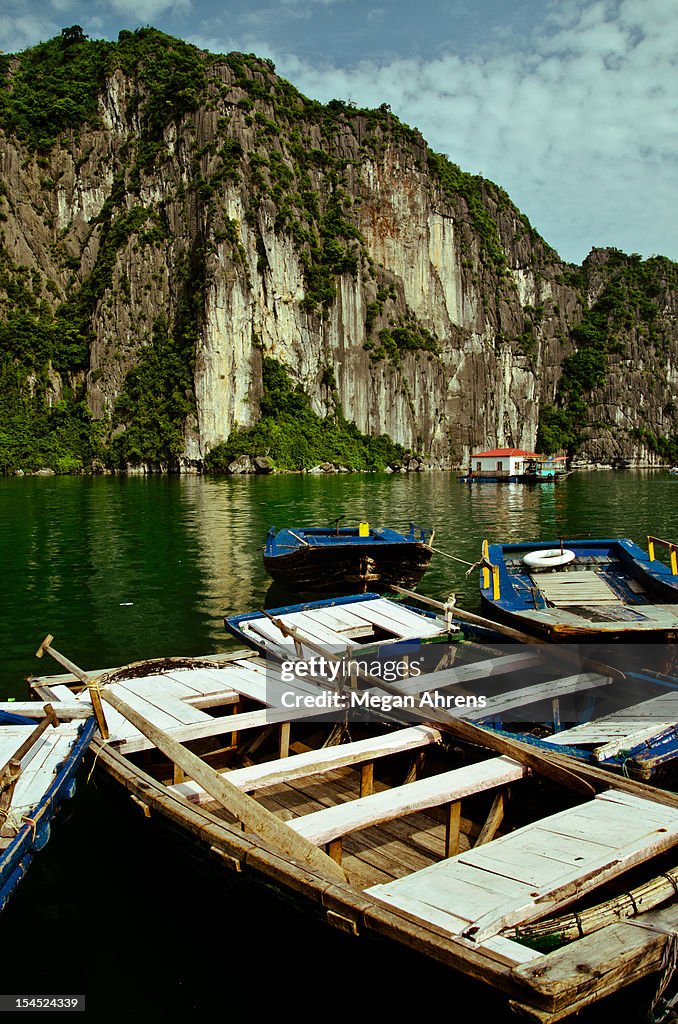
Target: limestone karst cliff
{"points": [[171, 219]]}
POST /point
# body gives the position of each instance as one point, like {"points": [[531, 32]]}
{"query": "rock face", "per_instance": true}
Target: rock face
{"points": [[256, 223]]}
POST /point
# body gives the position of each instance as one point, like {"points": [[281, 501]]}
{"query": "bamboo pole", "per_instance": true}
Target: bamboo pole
{"points": [[628, 904]]}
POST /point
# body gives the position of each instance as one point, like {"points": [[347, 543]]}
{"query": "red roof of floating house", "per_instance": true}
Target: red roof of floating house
{"points": [[504, 453]]}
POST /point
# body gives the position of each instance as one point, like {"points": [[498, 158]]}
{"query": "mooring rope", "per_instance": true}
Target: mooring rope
{"points": [[454, 558]]}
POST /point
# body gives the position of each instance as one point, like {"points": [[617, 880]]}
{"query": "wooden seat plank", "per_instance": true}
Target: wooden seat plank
{"points": [[323, 826], [165, 695], [396, 619], [625, 728], [514, 699], [315, 762], [464, 674], [341, 621], [11, 738], [310, 626]]}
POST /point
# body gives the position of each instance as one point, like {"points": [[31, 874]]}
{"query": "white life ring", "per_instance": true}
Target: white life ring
{"points": [[552, 558]]}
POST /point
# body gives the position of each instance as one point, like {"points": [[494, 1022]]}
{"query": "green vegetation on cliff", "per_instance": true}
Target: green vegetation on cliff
{"points": [[54, 87], [294, 437], [626, 306]]}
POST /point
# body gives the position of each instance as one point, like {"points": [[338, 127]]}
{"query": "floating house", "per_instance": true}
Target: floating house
{"points": [[514, 465]]}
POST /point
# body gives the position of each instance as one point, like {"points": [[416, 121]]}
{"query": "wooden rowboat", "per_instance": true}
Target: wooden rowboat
{"points": [[38, 766], [420, 829]]}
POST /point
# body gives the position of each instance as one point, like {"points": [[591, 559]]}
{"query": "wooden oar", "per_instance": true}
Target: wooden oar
{"points": [[252, 814], [558, 651], [45, 647]]}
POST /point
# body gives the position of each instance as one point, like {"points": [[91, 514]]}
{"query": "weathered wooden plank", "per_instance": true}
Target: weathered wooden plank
{"points": [[514, 699], [254, 817], [313, 762], [310, 625], [394, 618], [326, 825], [545, 869], [33, 782], [450, 925], [165, 695], [465, 674], [36, 709], [224, 725], [207, 681], [11, 738], [650, 809], [341, 621], [158, 716], [597, 964]]}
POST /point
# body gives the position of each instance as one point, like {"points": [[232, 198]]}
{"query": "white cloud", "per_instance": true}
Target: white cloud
{"points": [[18, 31], [146, 11], [581, 128]]}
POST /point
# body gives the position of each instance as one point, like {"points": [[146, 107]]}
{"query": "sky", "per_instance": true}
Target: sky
{"points": [[571, 106]]}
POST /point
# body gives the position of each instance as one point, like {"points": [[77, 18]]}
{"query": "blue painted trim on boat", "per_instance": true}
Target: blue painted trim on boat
{"points": [[9, 718], [33, 835], [292, 538], [232, 621], [518, 595]]}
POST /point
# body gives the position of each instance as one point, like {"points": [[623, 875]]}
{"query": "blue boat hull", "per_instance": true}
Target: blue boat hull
{"points": [[16, 859], [330, 560]]}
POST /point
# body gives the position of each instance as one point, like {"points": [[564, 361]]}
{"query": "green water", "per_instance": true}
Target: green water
{"points": [[122, 569]]}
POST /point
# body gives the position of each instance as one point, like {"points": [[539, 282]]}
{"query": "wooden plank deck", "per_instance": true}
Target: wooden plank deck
{"points": [[537, 869], [39, 763], [623, 729], [397, 619], [514, 700], [38, 775], [168, 703], [583, 586]]}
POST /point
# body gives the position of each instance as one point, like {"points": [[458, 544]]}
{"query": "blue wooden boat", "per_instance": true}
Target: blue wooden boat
{"points": [[332, 557], [38, 766], [607, 589], [557, 699]]}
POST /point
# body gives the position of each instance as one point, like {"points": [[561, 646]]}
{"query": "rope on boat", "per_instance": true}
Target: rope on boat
{"points": [[661, 1009], [482, 563], [454, 558]]}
